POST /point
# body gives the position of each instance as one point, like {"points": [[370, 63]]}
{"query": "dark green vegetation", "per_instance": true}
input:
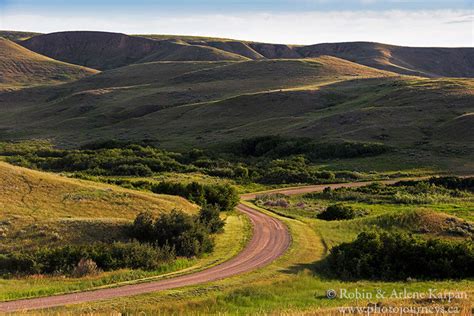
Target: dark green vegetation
{"points": [[161, 239], [292, 160], [434, 190], [66, 260], [339, 212], [384, 256], [187, 235]]}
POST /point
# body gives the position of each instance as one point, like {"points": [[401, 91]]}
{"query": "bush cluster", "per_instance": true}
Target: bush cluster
{"points": [[403, 192], [223, 196], [278, 147], [396, 256], [340, 212], [65, 260], [187, 235], [268, 160]]}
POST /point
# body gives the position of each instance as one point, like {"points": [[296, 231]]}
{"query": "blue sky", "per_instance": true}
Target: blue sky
{"points": [[255, 5], [402, 22]]}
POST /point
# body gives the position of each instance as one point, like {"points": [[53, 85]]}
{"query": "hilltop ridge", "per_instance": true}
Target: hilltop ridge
{"points": [[105, 50]]}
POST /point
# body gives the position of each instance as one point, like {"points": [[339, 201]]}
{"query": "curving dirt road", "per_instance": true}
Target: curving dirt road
{"points": [[269, 241]]}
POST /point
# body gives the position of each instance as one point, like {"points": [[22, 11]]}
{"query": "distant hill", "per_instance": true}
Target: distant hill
{"points": [[183, 92], [17, 36], [426, 62], [101, 50], [186, 104], [22, 67]]}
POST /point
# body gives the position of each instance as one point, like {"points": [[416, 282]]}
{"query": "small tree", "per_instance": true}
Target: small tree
{"points": [[85, 267], [143, 228], [209, 216]]}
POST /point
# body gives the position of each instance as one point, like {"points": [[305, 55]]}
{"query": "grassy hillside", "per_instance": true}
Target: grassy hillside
{"points": [[22, 67], [426, 62], [17, 36], [184, 104], [40, 207], [101, 50], [114, 100], [419, 61]]}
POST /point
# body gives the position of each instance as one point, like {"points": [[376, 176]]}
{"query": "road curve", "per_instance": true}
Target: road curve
{"points": [[270, 240]]}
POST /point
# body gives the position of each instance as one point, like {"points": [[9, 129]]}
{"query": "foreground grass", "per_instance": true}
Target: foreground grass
{"points": [[289, 285], [228, 244]]}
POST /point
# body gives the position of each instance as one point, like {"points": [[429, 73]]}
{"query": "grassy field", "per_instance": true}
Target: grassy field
{"points": [[292, 284], [289, 285], [335, 101]]}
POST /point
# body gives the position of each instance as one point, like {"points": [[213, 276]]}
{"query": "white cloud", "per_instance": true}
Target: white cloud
{"points": [[411, 28]]}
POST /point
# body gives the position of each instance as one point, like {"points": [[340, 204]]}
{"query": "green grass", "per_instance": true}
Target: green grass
{"points": [[289, 285], [41, 208]]}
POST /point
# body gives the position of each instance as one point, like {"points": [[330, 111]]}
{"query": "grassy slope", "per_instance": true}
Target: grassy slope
{"points": [[103, 50], [21, 67], [39, 195], [180, 105], [17, 36], [120, 109], [41, 208], [426, 62]]}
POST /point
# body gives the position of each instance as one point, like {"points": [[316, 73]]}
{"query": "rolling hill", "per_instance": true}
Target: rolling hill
{"points": [[182, 105], [102, 50], [17, 36], [182, 92], [59, 208], [98, 104], [419, 61], [21, 67]]}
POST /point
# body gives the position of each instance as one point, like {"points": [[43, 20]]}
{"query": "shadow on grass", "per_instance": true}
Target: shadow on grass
{"points": [[318, 268]]}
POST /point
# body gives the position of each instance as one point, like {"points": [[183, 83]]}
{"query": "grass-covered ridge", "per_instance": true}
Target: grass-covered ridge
{"points": [[20, 67]]}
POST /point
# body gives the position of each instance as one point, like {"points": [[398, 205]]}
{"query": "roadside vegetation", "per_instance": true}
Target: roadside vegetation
{"points": [[59, 234], [397, 256], [153, 242]]}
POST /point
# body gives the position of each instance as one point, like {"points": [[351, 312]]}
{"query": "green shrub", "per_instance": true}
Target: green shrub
{"points": [[223, 196], [187, 235], [209, 216], [64, 260], [340, 212], [395, 256]]}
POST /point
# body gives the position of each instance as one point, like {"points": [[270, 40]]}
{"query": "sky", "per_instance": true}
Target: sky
{"points": [[443, 23]]}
